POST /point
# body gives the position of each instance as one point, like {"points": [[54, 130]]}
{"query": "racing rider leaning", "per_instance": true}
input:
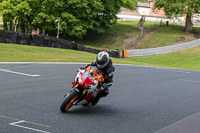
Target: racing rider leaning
{"points": [[104, 64]]}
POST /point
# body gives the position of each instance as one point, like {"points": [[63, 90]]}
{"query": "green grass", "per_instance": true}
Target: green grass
{"points": [[196, 30], [187, 59], [165, 36], [25, 53], [114, 36]]}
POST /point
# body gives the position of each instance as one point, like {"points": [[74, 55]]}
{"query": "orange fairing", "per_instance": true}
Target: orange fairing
{"points": [[95, 73]]}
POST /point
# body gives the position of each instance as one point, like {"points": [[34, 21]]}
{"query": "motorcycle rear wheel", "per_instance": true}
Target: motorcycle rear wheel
{"points": [[68, 102]]}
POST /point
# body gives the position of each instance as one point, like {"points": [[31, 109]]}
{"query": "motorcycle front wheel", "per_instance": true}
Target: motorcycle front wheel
{"points": [[68, 102]]}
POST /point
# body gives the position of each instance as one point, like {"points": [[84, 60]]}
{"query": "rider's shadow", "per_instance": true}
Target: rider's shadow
{"points": [[98, 109]]}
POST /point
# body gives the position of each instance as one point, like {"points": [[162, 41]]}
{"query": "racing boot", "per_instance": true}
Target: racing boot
{"points": [[103, 93]]}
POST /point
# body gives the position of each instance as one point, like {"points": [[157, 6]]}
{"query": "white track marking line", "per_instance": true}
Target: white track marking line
{"points": [[190, 80], [160, 68], [78, 63], [3, 70], [6, 117], [15, 124], [173, 70]]}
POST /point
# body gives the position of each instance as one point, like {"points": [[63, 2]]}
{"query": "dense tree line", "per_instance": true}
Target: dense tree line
{"points": [[76, 16], [144, 1]]}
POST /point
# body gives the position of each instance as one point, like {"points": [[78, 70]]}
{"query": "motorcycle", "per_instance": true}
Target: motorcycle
{"points": [[86, 86]]}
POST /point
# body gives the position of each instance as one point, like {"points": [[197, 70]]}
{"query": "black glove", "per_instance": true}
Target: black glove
{"points": [[104, 88]]}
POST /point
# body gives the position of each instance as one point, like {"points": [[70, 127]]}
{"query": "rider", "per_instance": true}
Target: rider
{"points": [[104, 64]]}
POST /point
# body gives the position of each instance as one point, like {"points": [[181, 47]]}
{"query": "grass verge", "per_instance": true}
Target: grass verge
{"points": [[25, 53], [186, 59]]}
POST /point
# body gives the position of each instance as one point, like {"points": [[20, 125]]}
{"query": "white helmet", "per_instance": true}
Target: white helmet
{"points": [[102, 59]]}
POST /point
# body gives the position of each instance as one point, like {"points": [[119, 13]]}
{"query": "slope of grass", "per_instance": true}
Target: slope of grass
{"points": [[165, 36], [114, 37]]}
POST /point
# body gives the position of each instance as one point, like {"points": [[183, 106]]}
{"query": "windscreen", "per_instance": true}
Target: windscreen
{"points": [[95, 73]]}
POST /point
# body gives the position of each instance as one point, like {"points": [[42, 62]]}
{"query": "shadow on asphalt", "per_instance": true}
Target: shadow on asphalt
{"points": [[96, 110]]}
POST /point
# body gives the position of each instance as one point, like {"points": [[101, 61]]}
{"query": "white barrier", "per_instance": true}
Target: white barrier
{"points": [[160, 50]]}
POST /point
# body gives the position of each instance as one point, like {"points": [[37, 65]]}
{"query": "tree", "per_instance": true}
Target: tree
{"points": [[107, 17], [180, 7], [7, 13], [130, 4], [79, 16], [14, 12], [22, 13]]}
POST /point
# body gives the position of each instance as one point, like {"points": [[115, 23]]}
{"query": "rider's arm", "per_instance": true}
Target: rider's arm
{"points": [[109, 76], [109, 81]]}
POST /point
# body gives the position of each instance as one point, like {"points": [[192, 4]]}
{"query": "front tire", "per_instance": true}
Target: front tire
{"points": [[68, 102]]}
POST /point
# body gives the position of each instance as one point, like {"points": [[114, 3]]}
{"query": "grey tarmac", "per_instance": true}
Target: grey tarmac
{"points": [[141, 100]]}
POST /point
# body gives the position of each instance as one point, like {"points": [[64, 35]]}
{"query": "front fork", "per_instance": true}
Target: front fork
{"points": [[80, 92], [75, 88]]}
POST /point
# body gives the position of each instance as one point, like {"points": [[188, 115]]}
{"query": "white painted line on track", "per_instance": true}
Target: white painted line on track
{"points": [[78, 63], [15, 124], [190, 81], [8, 71], [173, 70], [161, 68]]}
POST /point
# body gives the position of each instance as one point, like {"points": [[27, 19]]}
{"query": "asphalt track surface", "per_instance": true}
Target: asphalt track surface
{"points": [[141, 100]]}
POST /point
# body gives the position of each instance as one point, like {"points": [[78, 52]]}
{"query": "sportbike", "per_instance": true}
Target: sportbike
{"points": [[85, 87]]}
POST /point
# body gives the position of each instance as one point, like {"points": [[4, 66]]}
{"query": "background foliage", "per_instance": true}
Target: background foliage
{"points": [[76, 17], [180, 7]]}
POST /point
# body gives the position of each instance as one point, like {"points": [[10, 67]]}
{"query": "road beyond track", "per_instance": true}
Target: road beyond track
{"points": [[141, 100]]}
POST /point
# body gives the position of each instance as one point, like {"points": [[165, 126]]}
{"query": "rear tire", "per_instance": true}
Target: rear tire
{"points": [[68, 102]]}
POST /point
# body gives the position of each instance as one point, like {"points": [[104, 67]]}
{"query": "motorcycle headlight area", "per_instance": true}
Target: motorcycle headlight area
{"points": [[88, 85]]}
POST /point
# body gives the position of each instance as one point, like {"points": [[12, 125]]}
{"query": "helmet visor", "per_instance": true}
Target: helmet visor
{"points": [[101, 64]]}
